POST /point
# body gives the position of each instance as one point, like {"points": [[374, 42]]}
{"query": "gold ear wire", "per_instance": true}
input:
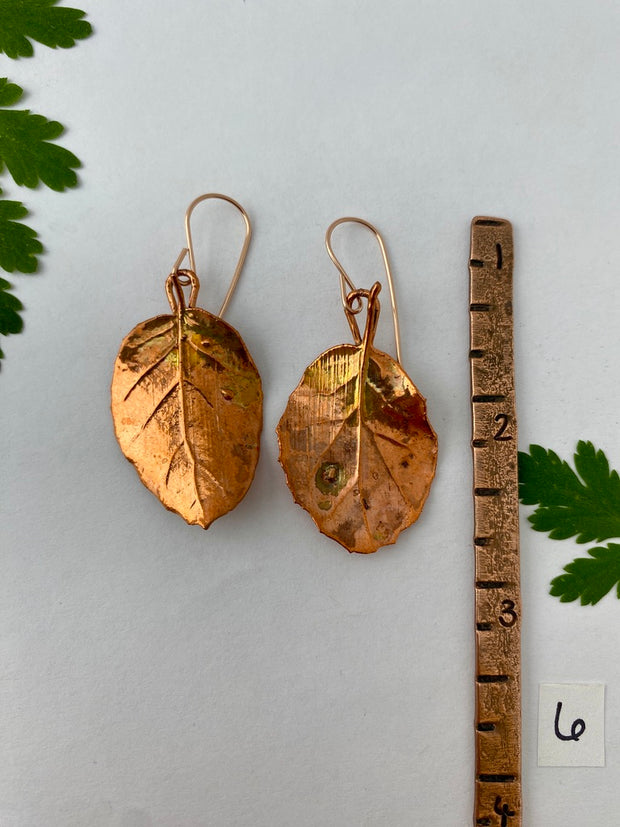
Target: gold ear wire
{"points": [[351, 300], [190, 247]]}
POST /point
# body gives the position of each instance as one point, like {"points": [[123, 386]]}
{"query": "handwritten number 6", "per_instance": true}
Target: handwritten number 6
{"points": [[576, 731], [504, 419], [508, 616]]}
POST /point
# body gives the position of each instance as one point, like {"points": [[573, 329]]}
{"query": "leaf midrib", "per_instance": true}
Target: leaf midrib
{"points": [[363, 355]]}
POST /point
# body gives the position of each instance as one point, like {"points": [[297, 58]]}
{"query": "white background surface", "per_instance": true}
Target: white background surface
{"points": [[154, 675]]}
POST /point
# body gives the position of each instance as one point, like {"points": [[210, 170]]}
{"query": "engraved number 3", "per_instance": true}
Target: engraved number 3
{"points": [[508, 616]]}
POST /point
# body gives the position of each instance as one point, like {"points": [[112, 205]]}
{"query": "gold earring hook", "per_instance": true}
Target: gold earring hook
{"points": [[345, 281], [189, 250]]}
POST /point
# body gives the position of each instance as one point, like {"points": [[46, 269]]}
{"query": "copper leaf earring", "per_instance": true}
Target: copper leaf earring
{"points": [[187, 398], [356, 446]]}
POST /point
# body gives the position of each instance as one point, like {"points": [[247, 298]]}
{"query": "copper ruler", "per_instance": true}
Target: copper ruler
{"points": [[496, 527]]}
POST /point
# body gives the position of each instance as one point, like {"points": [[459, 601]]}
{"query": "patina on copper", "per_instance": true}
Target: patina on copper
{"points": [[187, 407], [356, 446], [498, 800]]}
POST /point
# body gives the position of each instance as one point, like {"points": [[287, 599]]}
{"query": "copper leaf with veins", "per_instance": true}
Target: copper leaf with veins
{"points": [[358, 451], [187, 408]]}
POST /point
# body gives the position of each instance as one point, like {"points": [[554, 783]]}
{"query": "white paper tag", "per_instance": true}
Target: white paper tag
{"points": [[571, 725]]}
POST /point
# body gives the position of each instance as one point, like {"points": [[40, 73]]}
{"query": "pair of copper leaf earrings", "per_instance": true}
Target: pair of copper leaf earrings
{"points": [[356, 446]]}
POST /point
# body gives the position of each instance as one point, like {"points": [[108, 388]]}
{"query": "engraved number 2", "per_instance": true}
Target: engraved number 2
{"points": [[504, 419]]}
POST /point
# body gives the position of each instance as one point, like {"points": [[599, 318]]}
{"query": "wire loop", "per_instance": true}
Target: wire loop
{"points": [[175, 283]]}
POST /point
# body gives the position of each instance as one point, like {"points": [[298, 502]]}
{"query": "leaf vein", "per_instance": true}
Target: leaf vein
{"points": [[150, 369], [155, 410]]}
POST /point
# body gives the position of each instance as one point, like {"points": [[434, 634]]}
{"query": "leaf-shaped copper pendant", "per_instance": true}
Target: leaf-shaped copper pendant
{"points": [[187, 408], [356, 446]]}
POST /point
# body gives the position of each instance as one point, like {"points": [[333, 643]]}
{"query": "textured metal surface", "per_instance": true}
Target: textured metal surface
{"points": [[187, 409], [496, 527], [355, 443]]}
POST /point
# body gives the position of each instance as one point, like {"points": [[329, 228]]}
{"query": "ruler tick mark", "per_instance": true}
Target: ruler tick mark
{"points": [[480, 443], [487, 492], [493, 678], [476, 354], [489, 222], [488, 397], [485, 727], [480, 307], [483, 541], [492, 778], [476, 262], [484, 627], [490, 584]]}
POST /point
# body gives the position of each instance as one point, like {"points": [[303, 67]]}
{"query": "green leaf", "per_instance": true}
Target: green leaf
{"points": [[589, 578], [19, 245], [10, 93], [25, 147], [10, 305], [588, 508], [24, 20]]}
